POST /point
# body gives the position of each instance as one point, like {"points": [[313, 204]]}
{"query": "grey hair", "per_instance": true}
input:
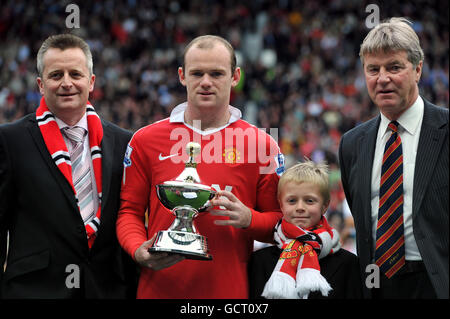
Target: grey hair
{"points": [[63, 42], [394, 34]]}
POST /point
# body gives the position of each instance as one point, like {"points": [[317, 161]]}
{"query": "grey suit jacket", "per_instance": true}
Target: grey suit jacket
{"points": [[430, 194]]}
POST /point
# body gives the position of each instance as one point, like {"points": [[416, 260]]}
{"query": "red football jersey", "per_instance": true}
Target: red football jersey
{"points": [[239, 158]]}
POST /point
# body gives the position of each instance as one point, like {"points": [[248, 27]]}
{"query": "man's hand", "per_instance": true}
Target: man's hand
{"points": [[240, 216], [155, 261]]}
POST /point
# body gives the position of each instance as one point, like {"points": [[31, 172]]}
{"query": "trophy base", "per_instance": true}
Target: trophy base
{"points": [[190, 245]]}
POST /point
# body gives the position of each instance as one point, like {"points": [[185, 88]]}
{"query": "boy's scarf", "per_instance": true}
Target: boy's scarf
{"points": [[297, 272], [58, 150]]}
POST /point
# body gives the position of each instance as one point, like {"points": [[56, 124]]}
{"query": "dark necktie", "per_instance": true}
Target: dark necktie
{"points": [[390, 243]]}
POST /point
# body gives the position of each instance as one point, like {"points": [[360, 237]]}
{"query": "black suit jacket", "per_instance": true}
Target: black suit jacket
{"points": [[430, 194], [47, 240], [339, 269]]}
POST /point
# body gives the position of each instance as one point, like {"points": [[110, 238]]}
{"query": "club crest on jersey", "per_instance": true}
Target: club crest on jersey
{"points": [[279, 160], [231, 155], [127, 158]]}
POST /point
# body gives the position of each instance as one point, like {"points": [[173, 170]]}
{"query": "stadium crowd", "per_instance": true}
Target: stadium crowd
{"points": [[302, 76]]}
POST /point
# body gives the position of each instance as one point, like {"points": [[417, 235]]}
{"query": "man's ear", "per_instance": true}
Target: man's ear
{"points": [[419, 71], [91, 83], [236, 77], [40, 84], [181, 76]]}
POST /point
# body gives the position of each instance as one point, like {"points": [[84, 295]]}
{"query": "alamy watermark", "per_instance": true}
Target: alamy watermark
{"points": [[373, 276], [73, 19], [237, 141], [230, 146], [373, 19], [73, 277]]}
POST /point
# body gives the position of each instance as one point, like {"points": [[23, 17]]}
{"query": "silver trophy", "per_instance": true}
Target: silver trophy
{"points": [[186, 197]]}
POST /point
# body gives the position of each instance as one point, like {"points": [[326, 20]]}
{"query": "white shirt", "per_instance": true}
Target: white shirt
{"points": [[409, 130], [86, 150]]}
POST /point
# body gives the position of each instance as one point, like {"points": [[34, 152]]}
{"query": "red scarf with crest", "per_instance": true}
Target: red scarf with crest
{"points": [[297, 272], [58, 150]]}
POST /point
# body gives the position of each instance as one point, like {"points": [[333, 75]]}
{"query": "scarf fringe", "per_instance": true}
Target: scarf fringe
{"points": [[280, 286], [309, 280]]}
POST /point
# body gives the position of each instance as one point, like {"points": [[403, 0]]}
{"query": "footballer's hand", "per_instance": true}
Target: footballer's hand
{"points": [[239, 215], [155, 260]]}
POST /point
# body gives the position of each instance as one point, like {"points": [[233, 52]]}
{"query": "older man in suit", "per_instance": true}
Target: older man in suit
{"points": [[60, 175], [395, 172]]}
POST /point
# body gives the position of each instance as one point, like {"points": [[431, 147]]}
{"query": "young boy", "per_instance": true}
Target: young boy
{"points": [[307, 261]]}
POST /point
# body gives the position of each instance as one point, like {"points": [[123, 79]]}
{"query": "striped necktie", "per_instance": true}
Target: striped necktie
{"points": [[390, 243], [81, 173]]}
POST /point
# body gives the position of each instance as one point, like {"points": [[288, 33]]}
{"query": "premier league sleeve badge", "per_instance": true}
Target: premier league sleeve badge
{"points": [[127, 158], [279, 160]]}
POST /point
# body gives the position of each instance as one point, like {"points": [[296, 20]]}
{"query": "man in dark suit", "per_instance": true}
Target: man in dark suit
{"points": [[395, 172], [60, 177]]}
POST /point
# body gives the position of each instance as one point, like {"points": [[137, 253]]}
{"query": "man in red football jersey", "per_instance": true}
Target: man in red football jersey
{"points": [[237, 159]]}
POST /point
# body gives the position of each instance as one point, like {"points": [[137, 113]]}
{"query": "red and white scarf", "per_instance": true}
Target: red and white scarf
{"points": [[297, 272], [58, 150]]}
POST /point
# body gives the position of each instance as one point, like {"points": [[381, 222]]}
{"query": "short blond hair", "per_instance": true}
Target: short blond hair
{"points": [[308, 172]]}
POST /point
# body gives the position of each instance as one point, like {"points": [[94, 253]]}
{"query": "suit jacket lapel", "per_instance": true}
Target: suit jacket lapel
{"points": [[430, 143], [366, 148], [107, 147], [59, 177]]}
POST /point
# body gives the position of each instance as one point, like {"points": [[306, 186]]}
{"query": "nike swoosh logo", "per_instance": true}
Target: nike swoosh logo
{"points": [[162, 158]]}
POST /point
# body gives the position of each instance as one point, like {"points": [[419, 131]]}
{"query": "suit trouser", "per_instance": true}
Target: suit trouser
{"points": [[411, 282]]}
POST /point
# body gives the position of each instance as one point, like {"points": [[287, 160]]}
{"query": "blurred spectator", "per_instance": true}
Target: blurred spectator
{"points": [[301, 72]]}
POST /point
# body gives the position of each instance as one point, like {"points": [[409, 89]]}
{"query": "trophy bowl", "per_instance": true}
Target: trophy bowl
{"points": [[176, 193], [186, 197]]}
